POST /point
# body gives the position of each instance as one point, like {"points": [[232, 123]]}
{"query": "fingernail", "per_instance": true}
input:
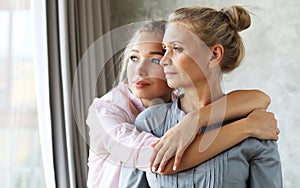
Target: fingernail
{"points": [[153, 169], [174, 168], [159, 169]]}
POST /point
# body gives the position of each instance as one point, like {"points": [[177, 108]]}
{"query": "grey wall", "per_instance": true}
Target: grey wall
{"points": [[271, 63]]}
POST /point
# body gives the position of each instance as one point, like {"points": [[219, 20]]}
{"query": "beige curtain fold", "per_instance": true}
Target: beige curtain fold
{"points": [[75, 79]]}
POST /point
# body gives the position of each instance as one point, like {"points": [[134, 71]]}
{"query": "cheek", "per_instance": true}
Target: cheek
{"points": [[130, 73], [191, 70], [157, 71], [185, 64], [190, 65], [162, 88]]}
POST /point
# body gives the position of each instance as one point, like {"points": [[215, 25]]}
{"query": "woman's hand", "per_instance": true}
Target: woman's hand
{"points": [[175, 142], [263, 125]]}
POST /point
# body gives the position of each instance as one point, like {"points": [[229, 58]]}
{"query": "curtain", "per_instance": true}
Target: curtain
{"points": [[74, 78]]}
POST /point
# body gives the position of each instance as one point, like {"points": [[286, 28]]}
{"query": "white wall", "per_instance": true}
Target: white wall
{"points": [[271, 63]]}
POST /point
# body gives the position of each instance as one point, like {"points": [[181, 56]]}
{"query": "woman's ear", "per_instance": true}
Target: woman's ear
{"points": [[217, 52]]}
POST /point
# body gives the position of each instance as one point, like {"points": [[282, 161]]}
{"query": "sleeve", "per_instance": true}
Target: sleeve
{"points": [[110, 133], [253, 163], [265, 166]]}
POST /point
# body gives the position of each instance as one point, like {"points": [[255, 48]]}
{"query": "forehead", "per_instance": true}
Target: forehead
{"points": [[177, 33], [147, 49], [194, 46], [146, 37], [147, 43]]}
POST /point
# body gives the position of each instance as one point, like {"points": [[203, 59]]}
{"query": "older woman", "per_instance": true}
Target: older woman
{"points": [[201, 44]]}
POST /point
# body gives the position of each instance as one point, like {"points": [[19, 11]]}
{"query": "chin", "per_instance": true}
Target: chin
{"points": [[172, 85], [140, 95]]}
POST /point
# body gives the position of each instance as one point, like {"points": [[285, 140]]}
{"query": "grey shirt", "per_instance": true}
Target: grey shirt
{"points": [[252, 163]]}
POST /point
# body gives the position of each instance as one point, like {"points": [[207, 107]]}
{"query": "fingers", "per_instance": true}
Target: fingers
{"points": [[177, 161], [154, 165], [160, 157], [154, 168], [155, 143], [164, 161], [272, 115], [276, 137], [277, 134], [163, 156]]}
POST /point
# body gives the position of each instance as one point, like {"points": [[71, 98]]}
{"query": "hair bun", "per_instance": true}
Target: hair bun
{"points": [[239, 18]]}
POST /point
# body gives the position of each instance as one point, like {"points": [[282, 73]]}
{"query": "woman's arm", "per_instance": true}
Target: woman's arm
{"points": [[112, 133], [259, 124], [234, 105]]}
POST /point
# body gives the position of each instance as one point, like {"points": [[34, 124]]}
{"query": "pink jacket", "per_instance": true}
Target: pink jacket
{"points": [[114, 139]]}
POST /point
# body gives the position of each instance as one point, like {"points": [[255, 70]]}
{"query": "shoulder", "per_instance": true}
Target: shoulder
{"points": [[256, 147], [156, 111], [152, 117], [116, 95], [117, 101]]}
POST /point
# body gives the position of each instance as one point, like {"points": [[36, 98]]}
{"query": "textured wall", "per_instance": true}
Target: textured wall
{"points": [[271, 63]]}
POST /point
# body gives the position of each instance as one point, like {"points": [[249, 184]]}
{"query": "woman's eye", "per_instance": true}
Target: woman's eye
{"points": [[155, 60], [133, 58], [178, 49]]}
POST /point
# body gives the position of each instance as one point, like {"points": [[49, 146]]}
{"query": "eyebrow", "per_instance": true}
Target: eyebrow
{"points": [[157, 53], [173, 42], [152, 53], [133, 50]]}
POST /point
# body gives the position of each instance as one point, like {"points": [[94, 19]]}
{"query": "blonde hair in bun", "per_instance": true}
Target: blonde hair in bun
{"points": [[217, 27]]}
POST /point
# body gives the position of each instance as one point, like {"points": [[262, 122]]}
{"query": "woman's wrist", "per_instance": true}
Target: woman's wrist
{"points": [[249, 129], [196, 118], [204, 116]]}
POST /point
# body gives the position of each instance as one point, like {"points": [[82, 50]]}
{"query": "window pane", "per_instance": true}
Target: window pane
{"points": [[23, 149], [4, 178], [21, 180], [4, 35], [4, 38], [5, 140], [22, 45], [20, 165]]}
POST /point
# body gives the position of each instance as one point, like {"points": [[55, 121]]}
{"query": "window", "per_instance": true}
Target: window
{"points": [[20, 163]]}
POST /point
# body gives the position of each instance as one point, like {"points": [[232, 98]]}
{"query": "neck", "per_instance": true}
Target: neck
{"points": [[200, 95], [155, 101]]}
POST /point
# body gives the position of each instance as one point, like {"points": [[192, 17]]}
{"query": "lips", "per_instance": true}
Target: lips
{"points": [[140, 84], [169, 74]]}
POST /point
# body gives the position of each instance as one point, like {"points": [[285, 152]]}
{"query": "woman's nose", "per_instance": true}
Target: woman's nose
{"points": [[141, 69], [166, 60]]}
